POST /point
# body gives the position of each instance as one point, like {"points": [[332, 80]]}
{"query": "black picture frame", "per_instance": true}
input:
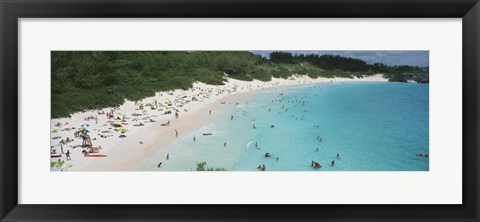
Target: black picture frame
{"points": [[11, 11]]}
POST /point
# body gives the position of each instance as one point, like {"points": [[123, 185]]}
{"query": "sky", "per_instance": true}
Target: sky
{"points": [[412, 58]]}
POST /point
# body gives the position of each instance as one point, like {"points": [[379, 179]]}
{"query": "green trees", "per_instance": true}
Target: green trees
{"points": [[235, 63], [282, 57], [84, 80]]}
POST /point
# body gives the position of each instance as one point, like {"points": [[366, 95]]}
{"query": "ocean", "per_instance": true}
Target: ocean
{"points": [[372, 126]]}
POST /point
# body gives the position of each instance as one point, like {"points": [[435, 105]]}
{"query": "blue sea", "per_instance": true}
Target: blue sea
{"points": [[372, 126]]}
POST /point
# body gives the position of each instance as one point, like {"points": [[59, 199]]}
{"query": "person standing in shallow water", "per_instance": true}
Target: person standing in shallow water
{"points": [[264, 168], [338, 155], [225, 144], [168, 156], [333, 163], [176, 133], [193, 138], [231, 117]]}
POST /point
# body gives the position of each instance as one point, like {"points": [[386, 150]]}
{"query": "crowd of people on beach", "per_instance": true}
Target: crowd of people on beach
{"points": [[100, 125]]}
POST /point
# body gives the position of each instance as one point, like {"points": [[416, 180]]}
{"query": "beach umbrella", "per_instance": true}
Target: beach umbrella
{"points": [[136, 119], [105, 128], [81, 129], [105, 124], [123, 130], [85, 125], [57, 164], [55, 131]]}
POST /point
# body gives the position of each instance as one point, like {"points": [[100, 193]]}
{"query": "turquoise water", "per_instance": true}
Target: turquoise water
{"points": [[373, 126]]}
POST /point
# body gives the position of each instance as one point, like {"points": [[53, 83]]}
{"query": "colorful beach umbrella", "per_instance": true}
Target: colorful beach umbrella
{"points": [[55, 131], [57, 164], [123, 130]]}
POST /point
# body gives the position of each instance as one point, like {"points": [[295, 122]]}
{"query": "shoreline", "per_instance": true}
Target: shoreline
{"points": [[124, 154]]}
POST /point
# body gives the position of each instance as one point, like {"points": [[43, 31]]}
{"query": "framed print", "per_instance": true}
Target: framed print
{"points": [[267, 110]]}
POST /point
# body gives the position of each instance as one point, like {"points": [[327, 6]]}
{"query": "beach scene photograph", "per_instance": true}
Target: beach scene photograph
{"points": [[256, 111]]}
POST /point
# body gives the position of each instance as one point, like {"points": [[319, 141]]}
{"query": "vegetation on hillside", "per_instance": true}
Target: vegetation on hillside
{"points": [[203, 167], [85, 80]]}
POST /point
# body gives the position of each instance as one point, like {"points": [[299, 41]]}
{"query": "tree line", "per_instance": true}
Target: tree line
{"points": [[333, 62]]}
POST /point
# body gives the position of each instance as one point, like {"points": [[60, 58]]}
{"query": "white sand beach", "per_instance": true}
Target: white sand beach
{"points": [[136, 132]]}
